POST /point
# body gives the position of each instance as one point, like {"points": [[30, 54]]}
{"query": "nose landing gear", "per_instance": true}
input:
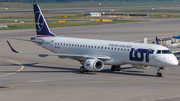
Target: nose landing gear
{"points": [[159, 74]]}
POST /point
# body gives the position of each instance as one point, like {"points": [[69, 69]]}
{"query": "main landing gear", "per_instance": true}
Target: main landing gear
{"points": [[159, 74], [83, 69], [115, 68]]}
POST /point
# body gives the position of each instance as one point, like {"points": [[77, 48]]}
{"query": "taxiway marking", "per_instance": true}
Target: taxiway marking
{"points": [[22, 67], [45, 83]]}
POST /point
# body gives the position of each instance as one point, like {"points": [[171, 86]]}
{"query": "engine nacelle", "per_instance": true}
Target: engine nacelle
{"points": [[140, 66], [93, 64]]}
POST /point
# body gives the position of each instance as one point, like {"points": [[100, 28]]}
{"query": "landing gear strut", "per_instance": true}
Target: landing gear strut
{"points": [[115, 68], [159, 74]]}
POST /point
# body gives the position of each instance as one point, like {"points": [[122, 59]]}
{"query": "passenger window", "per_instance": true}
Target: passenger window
{"points": [[159, 52], [94, 46], [114, 48], [108, 47], [124, 49]]}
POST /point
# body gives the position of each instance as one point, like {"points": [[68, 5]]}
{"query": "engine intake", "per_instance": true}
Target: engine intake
{"points": [[140, 66], [94, 64]]}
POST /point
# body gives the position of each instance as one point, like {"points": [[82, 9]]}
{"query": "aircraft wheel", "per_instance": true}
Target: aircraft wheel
{"points": [[113, 68], [82, 69], [159, 74], [118, 68]]}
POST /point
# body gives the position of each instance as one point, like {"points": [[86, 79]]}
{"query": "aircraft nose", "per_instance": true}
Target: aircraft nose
{"points": [[173, 61]]}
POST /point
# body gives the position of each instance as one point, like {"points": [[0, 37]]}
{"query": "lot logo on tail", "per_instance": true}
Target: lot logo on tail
{"points": [[39, 21]]}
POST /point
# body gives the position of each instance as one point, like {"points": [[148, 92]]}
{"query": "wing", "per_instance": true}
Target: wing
{"points": [[61, 55]]}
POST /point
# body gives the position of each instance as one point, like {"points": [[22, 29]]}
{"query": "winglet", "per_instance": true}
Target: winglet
{"points": [[12, 47], [157, 41]]}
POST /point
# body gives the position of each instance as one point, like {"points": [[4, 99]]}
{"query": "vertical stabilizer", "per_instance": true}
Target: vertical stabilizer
{"points": [[157, 41], [42, 28]]}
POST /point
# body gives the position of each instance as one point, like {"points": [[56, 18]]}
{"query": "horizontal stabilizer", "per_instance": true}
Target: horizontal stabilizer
{"points": [[39, 41]]}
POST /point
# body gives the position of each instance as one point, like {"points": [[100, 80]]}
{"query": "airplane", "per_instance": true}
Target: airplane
{"points": [[93, 54]]}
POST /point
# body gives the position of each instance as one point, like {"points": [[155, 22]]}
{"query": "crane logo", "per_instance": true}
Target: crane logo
{"points": [[39, 21]]}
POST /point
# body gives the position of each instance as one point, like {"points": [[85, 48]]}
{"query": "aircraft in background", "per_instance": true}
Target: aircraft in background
{"points": [[93, 54]]}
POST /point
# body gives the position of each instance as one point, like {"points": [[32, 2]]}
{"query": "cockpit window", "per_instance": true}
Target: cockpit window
{"points": [[159, 52], [166, 52]]}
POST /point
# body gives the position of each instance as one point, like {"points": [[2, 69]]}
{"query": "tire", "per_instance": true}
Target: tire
{"points": [[159, 74], [82, 69], [113, 68], [118, 68]]}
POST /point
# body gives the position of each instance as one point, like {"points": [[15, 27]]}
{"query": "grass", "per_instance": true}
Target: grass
{"points": [[18, 21], [31, 16], [22, 6], [55, 23]]}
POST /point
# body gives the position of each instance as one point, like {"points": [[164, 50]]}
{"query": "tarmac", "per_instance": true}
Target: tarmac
{"points": [[25, 77]]}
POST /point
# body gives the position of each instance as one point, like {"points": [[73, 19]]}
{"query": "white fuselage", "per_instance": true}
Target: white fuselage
{"points": [[119, 52]]}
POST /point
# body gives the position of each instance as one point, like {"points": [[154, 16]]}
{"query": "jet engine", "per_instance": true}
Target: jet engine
{"points": [[93, 64], [140, 66]]}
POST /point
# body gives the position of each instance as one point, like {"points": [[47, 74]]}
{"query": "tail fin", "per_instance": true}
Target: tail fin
{"points": [[42, 28], [157, 41]]}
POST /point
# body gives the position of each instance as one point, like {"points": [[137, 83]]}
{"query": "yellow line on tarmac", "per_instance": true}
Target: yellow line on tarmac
{"points": [[45, 83], [172, 76], [22, 67]]}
